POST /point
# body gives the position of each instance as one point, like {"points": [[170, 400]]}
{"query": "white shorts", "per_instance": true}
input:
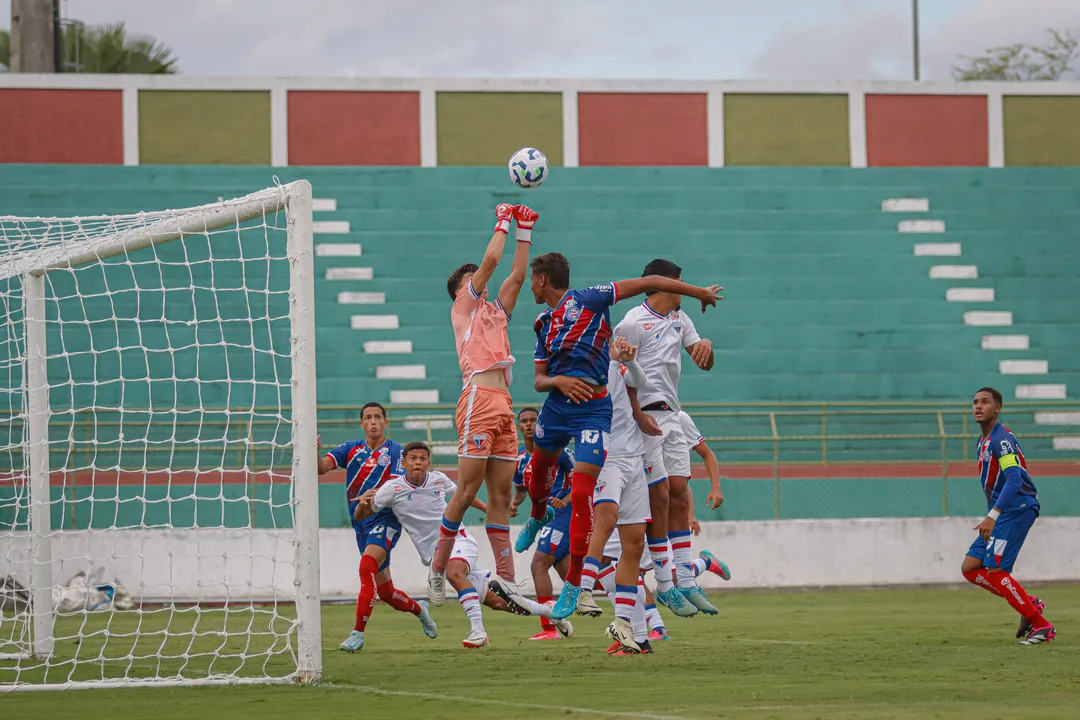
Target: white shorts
{"points": [[622, 481], [466, 549], [655, 472], [673, 443], [613, 549]]}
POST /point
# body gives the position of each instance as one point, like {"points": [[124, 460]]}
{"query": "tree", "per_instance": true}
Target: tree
{"points": [[106, 49], [1023, 61]]}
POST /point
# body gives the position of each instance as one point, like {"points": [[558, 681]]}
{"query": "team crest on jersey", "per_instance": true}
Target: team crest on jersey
{"points": [[538, 431], [648, 471], [479, 440], [572, 310], [677, 326], [384, 459]]}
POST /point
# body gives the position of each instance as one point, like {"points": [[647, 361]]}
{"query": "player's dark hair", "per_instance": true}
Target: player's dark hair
{"points": [[415, 445], [663, 268], [453, 283], [998, 399], [372, 405], [524, 410], [553, 266]]}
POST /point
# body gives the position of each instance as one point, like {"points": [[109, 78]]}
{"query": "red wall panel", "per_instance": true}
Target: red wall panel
{"points": [[642, 129], [354, 128], [61, 126], [926, 130]]}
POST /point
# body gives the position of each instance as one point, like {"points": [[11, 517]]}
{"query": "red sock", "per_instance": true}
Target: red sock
{"points": [[397, 599], [366, 600], [581, 524], [1014, 594], [499, 537], [981, 578], [545, 623], [541, 478]]}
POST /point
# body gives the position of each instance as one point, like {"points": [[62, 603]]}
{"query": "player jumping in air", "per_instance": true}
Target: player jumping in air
{"points": [[661, 330], [418, 500], [571, 365], [368, 463], [1012, 505], [485, 412], [553, 545]]}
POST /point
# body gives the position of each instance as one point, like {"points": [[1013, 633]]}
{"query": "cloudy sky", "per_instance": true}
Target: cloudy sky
{"points": [[678, 39]]}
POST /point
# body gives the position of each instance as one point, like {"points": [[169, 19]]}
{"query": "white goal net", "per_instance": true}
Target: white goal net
{"points": [[158, 485]]}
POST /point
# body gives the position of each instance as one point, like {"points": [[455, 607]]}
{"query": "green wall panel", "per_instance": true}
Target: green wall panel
{"points": [[1042, 130], [486, 128], [197, 127], [786, 130]]}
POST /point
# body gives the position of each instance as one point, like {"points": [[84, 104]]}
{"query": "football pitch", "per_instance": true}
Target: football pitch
{"points": [[832, 654]]}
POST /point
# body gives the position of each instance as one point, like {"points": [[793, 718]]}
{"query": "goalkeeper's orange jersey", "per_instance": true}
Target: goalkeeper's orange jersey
{"points": [[480, 334]]}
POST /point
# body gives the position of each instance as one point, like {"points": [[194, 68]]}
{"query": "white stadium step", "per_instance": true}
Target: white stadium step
{"points": [[988, 318], [937, 249], [388, 347], [1040, 391], [424, 422], [1006, 342], [401, 372], [414, 397], [350, 273], [324, 205], [1023, 367], [337, 250], [1067, 443], [443, 449], [954, 272], [374, 322], [361, 298], [330, 227], [1057, 418], [964, 294], [905, 205], [921, 226]]}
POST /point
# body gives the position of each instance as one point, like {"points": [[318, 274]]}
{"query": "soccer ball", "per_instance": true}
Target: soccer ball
{"points": [[528, 168]]}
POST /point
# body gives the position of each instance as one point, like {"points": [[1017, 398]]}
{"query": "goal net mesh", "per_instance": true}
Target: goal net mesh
{"points": [[169, 545]]}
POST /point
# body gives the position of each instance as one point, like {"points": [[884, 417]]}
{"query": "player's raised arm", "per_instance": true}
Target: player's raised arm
{"points": [[504, 214], [707, 295], [508, 294]]}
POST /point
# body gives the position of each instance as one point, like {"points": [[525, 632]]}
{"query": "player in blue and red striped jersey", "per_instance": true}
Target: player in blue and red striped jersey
{"points": [[571, 365], [1012, 506], [368, 463]]}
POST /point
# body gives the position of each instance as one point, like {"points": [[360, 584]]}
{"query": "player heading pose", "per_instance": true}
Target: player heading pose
{"points": [[368, 464], [571, 365], [485, 413], [1012, 505]]}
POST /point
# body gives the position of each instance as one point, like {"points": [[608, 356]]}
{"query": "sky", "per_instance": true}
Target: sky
{"points": [[606, 39]]}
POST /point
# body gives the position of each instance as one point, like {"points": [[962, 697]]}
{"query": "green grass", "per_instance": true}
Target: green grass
{"points": [[873, 654]]}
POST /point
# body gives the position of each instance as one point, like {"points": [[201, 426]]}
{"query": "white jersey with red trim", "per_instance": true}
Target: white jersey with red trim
{"points": [[419, 508], [625, 438], [660, 340], [690, 430]]}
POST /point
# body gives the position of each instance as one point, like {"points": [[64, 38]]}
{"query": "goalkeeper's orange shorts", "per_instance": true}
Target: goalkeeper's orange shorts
{"points": [[485, 424]]}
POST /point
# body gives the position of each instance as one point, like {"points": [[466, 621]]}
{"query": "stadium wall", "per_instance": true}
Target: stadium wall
{"points": [[132, 119], [216, 565]]}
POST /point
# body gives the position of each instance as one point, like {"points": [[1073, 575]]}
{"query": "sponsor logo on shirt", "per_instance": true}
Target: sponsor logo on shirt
{"points": [[648, 326]]}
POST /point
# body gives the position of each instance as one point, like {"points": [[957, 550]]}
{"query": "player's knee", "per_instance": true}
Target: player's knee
{"points": [[541, 563], [456, 571]]}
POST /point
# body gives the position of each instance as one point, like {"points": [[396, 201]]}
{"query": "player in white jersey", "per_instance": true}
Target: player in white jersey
{"points": [[418, 500], [661, 331]]}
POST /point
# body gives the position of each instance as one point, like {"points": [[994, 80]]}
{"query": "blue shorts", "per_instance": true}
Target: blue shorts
{"points": [[381, 529], [554, 538], [587, 424], [1010, 531]]}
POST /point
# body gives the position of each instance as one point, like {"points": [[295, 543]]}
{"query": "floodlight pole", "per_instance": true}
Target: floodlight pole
{"points": [[915, 36]]}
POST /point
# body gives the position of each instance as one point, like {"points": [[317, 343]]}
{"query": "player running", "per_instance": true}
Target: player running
{"points": [[1012, 506], [485, 412], [661, 330], [571, 365], [418, 499], [368, 463], [553, 545]]}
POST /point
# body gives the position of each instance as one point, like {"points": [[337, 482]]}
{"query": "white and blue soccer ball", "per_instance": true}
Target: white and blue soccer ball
{"points": [[528, 168]]}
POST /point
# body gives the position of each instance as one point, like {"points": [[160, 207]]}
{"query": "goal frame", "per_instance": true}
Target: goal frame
{"points": [[295, 199]]}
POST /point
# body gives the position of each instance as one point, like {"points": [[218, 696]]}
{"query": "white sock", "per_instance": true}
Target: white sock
{"points": [[625, 601], [589, 572], [637, 619], [652, 616], [540, 609], [470, 603], [605, 581], [681, 553], [698, 566], [660, 552]]}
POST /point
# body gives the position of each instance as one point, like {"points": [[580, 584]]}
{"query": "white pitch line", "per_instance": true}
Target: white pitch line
{"points": [[510, 703], [770, 642]]}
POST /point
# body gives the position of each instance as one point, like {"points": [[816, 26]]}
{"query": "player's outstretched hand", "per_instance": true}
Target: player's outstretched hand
{"points": [[701, 353], [714, 500], [526, 217], [574, 388], [504, 215], [624, 351], [708, 296]]}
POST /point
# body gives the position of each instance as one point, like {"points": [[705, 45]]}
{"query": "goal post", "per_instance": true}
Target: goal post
{"points": [[158, 463]]}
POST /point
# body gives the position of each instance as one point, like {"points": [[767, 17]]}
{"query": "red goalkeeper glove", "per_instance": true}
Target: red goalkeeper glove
{"points": [[503, 214], [526, 218]]}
